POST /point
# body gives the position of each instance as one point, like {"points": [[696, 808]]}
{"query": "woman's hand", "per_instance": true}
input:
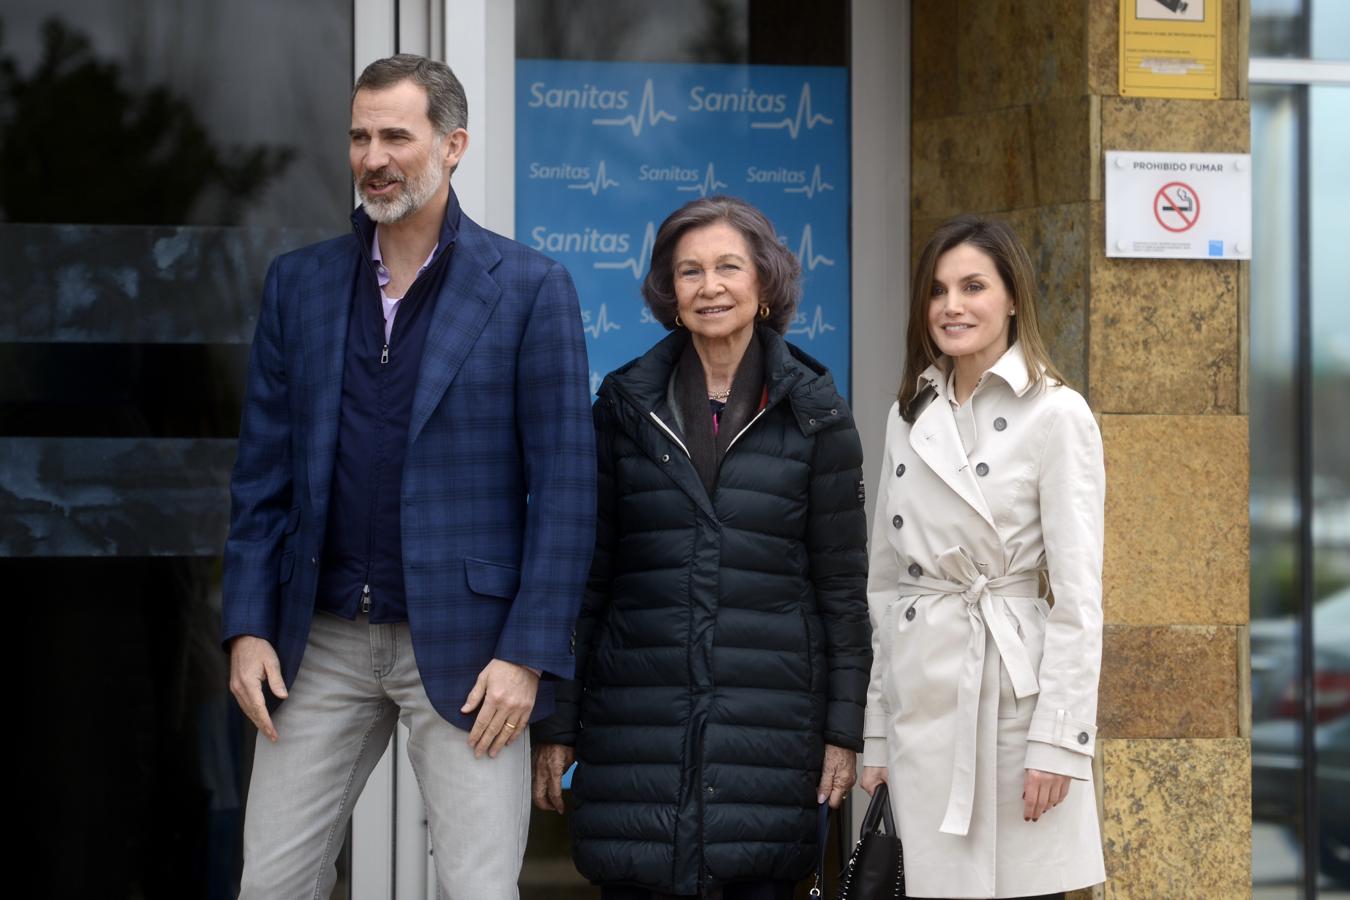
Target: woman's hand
{"points": [[550, 762], [1041, 792], [837, 775], [872, 777]]}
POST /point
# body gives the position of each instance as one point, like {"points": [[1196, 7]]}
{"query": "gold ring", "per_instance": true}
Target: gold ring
{"points": [[509, 725]]}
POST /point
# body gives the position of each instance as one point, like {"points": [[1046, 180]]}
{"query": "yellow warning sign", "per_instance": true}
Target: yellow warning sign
{"points": [[1170, 48]]}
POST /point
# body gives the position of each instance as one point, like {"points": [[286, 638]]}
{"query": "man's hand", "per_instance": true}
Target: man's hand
{"points": [[503, 695], [253, 661], [1042, 791], [872, 777], [550, 763], [837, 775]]}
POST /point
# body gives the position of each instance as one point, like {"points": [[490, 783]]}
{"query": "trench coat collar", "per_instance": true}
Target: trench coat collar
{"points": [[936, 439], [1011, 368]]}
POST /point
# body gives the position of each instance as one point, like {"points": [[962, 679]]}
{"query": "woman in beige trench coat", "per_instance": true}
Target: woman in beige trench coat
{"points": [[982, 704]]}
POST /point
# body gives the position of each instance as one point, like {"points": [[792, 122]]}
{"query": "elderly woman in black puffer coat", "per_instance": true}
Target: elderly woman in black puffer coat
{"points": [[723, 647]]}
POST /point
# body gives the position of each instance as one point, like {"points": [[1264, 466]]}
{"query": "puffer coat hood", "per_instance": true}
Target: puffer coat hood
{"points": [[723, 639]]}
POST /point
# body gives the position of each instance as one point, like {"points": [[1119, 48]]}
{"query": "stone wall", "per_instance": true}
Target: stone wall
{"points": [[1014, 104]]}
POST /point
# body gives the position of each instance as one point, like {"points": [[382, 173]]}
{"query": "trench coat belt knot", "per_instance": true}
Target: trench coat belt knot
{"points": [[962, 578]]}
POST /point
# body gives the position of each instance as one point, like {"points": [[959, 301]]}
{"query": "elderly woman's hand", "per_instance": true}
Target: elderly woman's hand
{"points": [[837, 775], [550, 762]]}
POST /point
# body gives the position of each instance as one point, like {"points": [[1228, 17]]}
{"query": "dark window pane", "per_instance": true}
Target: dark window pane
{"points": [[1304, 29], [156, 154], [762, 32]]}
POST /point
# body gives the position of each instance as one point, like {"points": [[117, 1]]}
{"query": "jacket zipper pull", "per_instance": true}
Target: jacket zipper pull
{"points": [[384, 355], [365, 598]]}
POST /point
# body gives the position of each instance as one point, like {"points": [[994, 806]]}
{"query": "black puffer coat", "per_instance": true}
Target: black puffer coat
{"points": [[723, 641]]}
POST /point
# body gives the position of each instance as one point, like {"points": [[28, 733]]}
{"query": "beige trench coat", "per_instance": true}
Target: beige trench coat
{"points": [[976, 677]]}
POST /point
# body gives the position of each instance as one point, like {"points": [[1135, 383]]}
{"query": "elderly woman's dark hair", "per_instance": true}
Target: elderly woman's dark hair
{"points": [[779, 272]]}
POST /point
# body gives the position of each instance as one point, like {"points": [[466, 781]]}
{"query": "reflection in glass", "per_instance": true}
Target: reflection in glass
{"points": [[1277, 764], [1283, 117], [156, 154], [1329, 276], [1303, 29]]}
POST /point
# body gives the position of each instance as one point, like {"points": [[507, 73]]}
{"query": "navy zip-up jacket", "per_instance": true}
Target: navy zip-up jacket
{"points": [[362, 567]]}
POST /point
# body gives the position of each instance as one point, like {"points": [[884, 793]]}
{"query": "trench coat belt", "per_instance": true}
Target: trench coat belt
{"points": [[963, 579]]}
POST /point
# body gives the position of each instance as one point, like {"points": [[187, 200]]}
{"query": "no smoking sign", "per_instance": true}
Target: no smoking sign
{"points": [[1154, 209], [1176, 206]]}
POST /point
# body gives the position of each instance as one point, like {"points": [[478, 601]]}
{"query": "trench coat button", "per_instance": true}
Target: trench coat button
{"points": [[909, 614], [711, 790], [665, 457], [982, 469], [898, 521], [899, 470], [834, 412], [1082, 737], [811, 421], [1000, 423], [915, 570]]}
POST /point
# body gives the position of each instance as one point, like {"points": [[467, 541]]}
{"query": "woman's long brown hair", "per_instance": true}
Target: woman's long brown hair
{"points": [[999, 242]]}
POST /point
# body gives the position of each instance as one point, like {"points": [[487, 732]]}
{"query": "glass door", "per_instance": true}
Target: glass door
{"points": [[157, 155]]}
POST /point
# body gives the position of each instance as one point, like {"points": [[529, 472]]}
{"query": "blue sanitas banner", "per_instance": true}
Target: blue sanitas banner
{"points": [[605, 151]]}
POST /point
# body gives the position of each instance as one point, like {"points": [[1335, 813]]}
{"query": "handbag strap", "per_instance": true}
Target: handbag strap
{"points": [[822, 834], [879, 812]]}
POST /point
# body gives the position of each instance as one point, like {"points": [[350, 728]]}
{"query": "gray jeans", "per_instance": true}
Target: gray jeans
{"points": [[355, 682]]}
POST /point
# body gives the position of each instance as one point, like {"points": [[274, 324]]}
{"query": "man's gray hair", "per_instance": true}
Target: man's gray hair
{"points": [[447, 107]]}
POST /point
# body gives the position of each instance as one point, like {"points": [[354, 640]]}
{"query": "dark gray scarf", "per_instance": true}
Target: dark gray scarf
{"points": [[689, 393]]}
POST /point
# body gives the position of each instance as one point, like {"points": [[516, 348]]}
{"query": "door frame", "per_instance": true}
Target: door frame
{"points": [[391, 858]]}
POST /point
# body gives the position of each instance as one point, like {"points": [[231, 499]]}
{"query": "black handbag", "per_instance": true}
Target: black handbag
{"points": [[876, 870]]}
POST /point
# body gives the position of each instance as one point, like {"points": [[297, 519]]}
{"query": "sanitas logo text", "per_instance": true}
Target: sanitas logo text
{"points": [[779, 175], [588, 240], [588, 96], [667, 173], [562, 172], [745, 100]]}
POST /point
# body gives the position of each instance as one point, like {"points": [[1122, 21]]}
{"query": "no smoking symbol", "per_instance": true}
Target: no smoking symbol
{"points": [[1176, 206]]}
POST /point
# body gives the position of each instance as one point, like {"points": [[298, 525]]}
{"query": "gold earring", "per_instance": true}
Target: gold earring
{"points": [[764, 310], [678, 323]]}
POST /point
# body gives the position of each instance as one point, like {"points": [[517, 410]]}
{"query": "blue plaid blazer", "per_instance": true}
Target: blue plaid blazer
{"points": [[498, 493]]}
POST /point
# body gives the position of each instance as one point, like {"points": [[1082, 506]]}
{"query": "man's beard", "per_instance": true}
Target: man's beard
{"points": [[418, 188]]}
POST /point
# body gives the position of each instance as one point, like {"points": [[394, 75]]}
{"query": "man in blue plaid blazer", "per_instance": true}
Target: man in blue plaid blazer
{"points": [[412, 509]]}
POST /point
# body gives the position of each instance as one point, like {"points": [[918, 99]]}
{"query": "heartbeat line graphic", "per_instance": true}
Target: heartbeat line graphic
{"points": [[709, 185], [647, 113], [804, 116], [601, 182], [806, 251], [813, 187], [817, 325], [601, 324], [636, 264], [596, 380]]}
